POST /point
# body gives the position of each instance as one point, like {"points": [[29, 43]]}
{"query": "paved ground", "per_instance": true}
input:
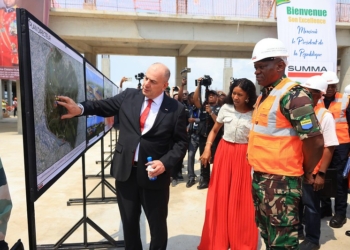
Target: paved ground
{"points": [[54, 218]]}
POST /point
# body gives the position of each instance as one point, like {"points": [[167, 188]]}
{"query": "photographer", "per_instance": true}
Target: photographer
{"points": [[209, 111], [178, 94], [193, 135], [183, 94]]}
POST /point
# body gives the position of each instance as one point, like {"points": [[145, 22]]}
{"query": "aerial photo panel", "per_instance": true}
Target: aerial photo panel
{"points": [[108, 93], [94, 92], [56, 70]]}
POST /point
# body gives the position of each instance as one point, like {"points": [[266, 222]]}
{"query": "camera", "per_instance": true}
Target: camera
{"points": [[140, 76], [206, 81], [185, 70], [175, 88]]}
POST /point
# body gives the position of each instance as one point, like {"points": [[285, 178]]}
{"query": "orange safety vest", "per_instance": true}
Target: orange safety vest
{"points": [[320, 112], [338, 110], [274, 146]]}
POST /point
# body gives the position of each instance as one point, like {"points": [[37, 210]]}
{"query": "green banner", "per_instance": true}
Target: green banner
{"points": [[279, 2]]}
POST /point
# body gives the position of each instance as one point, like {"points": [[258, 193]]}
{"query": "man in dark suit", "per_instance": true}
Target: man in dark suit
{"points": [[163, 137]]}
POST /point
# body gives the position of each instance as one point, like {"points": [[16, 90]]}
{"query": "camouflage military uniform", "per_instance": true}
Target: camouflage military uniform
{"points": [[5, 204], [277, 197]]}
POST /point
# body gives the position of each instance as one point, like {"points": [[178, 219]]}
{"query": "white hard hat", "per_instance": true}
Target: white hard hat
{"points": [[330, 77], [316, 82], [269, 47], [347, 90]]}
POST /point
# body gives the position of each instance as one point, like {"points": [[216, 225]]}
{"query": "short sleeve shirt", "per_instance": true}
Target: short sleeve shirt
{"points": [[328, 130], [236, 125]]}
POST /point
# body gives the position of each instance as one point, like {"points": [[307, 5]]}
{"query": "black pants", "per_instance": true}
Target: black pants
{"points": [[155, 204], [176, 170], [338, 162], [205, 170], [310, 214]]}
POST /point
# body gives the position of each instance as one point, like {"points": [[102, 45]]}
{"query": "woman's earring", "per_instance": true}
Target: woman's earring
{"points": [[247, 100]]}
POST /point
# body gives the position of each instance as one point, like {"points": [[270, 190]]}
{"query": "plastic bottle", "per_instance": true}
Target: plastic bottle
{"points": [[149, 168]]}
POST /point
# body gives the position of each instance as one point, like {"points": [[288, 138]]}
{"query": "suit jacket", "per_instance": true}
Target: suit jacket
{"points": [[165, 141]]}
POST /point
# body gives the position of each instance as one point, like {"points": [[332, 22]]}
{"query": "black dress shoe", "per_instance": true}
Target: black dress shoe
{"points": [[347, 233], [3, 245], [203, 185], [337, 221], [307, 245], [190, 183]]}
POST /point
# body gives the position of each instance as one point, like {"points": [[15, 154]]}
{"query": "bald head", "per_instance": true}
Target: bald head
{"points": [[156, 80], [162, 68]]}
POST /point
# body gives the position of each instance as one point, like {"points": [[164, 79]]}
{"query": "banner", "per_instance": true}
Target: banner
{"points": [[8, 32], [307, 28]]}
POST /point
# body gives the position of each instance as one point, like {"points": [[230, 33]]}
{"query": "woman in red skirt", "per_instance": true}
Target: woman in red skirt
{"points": [[229, 216]]}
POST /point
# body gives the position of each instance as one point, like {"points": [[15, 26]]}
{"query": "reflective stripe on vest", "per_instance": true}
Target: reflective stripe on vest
{"points": [[274, 146], [338, 110]]}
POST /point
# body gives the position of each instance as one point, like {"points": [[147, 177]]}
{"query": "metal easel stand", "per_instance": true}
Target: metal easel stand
{"points": [[110, 243], [103, 183]]}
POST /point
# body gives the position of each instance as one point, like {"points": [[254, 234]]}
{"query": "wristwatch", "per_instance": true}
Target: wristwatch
{"points": [[212, 113], [322, 174]]}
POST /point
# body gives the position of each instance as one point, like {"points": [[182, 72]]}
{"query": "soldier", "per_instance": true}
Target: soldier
{"points": [[285, 144]]}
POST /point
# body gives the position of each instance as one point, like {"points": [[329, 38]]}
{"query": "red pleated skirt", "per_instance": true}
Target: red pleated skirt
{"points": [[229, 215]]}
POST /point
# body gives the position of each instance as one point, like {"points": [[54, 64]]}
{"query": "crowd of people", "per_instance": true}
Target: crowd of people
{"points": [[290, 136]]}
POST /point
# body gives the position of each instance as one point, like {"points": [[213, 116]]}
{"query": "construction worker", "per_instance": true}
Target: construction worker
{"points": [[338, 105], [285, 144], [310, 211]]}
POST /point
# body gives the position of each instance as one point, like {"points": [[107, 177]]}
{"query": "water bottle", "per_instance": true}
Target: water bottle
{"points": [[149, 168]]}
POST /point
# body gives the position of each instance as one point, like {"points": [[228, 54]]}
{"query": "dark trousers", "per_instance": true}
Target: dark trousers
{"points": [[205, 170], [340, 157], [310, 215], [155, 204], [192, 149], [176, 170]]}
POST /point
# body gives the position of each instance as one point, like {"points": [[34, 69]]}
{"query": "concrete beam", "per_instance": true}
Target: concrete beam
{"points": [[81, 46], [110, 29], [151, 31], [185, 49], [171, 52], [136, 51]]}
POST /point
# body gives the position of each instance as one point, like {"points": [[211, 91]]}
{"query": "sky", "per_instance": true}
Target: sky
{"points": [[129, 66]]}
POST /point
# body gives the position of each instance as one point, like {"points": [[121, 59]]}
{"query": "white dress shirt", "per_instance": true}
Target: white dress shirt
{"points": [[150, 118]]}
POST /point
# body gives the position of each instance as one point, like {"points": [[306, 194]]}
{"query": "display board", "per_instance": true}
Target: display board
{"points": [[109, 87], [94, 92], [49, 67]]}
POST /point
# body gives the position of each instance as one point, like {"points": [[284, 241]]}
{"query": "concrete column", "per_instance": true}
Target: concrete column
{"points": [[106, 65], [181, 63], [9, 93], [19, 107], [344, 69], [92, 58], [227, 74]]}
